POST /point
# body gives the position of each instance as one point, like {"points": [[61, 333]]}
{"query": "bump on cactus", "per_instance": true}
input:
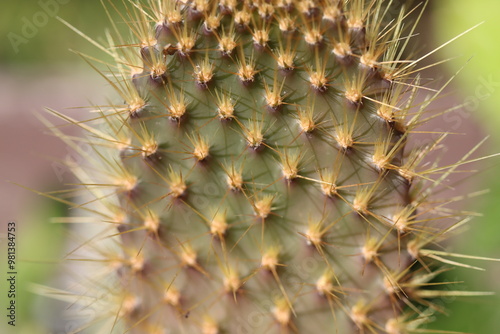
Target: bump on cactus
{"points": [[255, 174]]}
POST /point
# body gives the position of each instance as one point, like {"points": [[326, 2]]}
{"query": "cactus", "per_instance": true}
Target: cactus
{"points": [[256, 175]]}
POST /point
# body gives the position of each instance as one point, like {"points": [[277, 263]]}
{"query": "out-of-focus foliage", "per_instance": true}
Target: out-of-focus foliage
{"points": [[37, 51], [31, 33], [479, 82], [480, 78]]}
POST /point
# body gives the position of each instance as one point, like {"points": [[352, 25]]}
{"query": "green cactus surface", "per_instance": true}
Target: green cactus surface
{"points": [[256, 173]]}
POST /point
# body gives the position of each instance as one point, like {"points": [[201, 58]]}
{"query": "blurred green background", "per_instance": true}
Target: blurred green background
{"points": [[478, 85], [37, 70]]}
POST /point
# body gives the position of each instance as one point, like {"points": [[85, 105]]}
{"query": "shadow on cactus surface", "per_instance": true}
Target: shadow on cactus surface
{"points": [[262, 170]]}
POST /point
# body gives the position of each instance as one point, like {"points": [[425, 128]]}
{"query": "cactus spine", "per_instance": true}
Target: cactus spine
{"points": [[256, 177]]}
